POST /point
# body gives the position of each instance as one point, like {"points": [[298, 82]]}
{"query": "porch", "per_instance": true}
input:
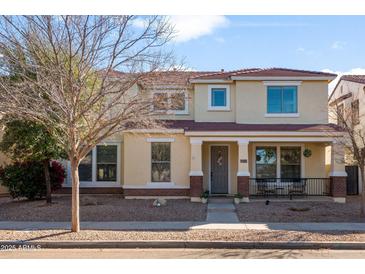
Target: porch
{"points": [[266, 167]]}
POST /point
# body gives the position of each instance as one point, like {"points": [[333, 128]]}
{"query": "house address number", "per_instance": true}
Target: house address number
{"points": [[243, 161]]}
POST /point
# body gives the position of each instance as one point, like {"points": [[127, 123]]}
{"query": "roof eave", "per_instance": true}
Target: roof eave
{"points": [[207, 81]]}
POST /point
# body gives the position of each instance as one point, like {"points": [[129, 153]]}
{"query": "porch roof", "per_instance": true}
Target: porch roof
{"points": [[191, 125]]}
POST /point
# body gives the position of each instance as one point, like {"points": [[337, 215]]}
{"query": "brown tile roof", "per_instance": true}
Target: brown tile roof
{"points": [[181, 78], [354, 78], [266, 72], [190, 125]]}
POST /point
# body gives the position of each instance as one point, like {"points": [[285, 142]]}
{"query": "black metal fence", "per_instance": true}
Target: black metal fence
{"points": [[294, 187]]}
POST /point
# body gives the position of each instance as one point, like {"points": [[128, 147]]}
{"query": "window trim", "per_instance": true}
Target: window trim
{"points": [[171, 111], [282, 114], [228, 98]]}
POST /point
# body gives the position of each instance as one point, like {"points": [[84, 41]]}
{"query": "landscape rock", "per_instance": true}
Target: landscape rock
{"points": [[159, 202], [88, 201]]}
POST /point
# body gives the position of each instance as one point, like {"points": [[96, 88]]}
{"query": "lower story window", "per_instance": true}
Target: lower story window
{"points": [[100, 164], [86, 168], [266, 162], [272, 162], [161, 162], [290, 162], [106, 158]]}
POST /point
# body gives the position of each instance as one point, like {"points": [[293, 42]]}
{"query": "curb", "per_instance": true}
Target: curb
{"points": [[185, 244]]}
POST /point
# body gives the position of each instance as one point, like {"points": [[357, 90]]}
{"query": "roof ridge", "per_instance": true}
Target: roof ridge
{"points": [[229, 72]]}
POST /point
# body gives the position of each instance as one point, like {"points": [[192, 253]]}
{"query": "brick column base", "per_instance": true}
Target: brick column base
{"points": [[338, 189], [243, 183], [196, 188]]}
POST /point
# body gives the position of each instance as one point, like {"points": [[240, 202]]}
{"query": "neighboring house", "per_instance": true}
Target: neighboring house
{"points": [[250, 131], [349, 93]]}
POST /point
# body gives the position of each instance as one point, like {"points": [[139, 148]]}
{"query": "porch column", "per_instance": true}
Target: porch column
{"points": [[338, 174], [243, 174], [196, 171]]}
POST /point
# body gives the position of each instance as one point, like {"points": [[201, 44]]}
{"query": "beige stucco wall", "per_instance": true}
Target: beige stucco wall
{"points": [[252, 103], [137, 159], [201, 112], [315, 166]]}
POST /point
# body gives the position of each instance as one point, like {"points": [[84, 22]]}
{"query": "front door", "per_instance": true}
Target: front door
{"points": [[219, 170]]}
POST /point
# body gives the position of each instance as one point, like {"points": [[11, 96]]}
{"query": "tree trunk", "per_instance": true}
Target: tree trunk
{"points": [[362, 210], [48, 181], [75, 224]]}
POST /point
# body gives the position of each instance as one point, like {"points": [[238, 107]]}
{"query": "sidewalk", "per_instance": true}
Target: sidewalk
{"points": [[184, 226]]}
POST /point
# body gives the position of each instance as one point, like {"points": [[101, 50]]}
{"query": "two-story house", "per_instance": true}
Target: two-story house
{"points": [[251, 131], [349, 95]]}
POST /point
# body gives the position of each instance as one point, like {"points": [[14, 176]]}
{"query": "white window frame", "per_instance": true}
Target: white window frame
{"points": [[170, 111], [94, 182], [283, 84], [228, 98]]}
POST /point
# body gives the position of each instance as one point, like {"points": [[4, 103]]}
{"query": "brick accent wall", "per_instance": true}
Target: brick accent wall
{"points": [[156, 192], [243, 183], [338, 186], [92, 190], [196, 186]]}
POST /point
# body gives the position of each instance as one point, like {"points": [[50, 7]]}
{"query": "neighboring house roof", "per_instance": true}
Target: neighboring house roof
{"points": [[351, 78], [354, 78], [263, 72], [191, 125]]}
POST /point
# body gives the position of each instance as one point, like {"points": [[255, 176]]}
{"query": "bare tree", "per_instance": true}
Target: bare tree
{"points": [[346, 114], [61, 71]]}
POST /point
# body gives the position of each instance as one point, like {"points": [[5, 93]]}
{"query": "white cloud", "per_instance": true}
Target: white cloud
{"points": [[193, 27], [354, 71], [338, 45], [305, 51]]}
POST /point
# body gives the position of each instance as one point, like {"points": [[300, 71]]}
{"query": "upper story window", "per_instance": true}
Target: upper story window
{"points": [[171, 102], [282, 99], [218, 97]]}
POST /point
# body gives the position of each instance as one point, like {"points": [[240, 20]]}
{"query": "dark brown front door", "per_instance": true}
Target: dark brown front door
{"points": [[219, 170]]}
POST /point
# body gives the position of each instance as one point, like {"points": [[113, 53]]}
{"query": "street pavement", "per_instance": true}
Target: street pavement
{"points": [[182, 254]]}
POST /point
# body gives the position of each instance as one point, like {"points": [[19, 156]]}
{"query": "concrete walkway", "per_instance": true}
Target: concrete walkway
{"points": [[184, 226], [222, 212]]}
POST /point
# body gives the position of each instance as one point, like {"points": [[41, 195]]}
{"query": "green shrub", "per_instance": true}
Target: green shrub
{"points": [[27, 179]]}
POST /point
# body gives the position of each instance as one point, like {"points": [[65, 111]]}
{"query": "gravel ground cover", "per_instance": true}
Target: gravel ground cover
{"points": [[191, 235], [308, 211], [101, 208]]}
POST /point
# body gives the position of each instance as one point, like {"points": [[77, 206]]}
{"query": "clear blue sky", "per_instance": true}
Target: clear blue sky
{"points": [[336, 43]]}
